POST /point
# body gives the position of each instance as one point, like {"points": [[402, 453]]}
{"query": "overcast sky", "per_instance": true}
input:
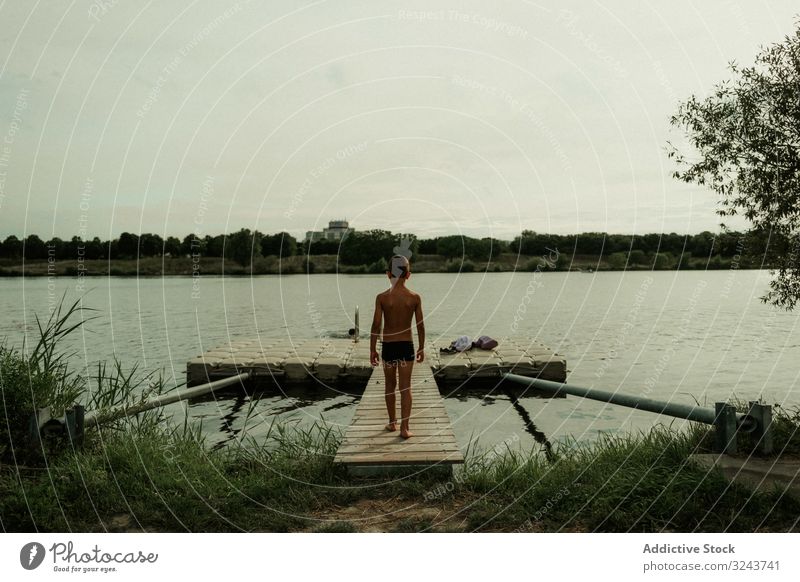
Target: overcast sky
{"points": [[206, 117]]}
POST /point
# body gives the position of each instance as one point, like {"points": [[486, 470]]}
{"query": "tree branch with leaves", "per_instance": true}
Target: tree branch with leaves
{"points": [[744, 139]]}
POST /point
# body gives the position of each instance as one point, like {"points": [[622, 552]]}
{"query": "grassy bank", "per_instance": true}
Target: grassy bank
{"points": [[168, 481], [215, 266], [143, 475]]}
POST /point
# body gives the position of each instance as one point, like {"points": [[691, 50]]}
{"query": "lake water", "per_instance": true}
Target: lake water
{"points": [[681, 336]]}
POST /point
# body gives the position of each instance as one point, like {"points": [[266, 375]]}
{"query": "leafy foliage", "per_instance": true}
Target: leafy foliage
{"points": [[369, 246], [281, 245], [242, 246], [746, 136]]}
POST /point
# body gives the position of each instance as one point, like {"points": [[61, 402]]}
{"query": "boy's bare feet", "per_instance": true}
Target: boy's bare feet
{"points": [[392, 426], [405, 433]]}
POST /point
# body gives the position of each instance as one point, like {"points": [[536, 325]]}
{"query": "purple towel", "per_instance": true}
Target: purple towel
{"points": [[485, 343]]}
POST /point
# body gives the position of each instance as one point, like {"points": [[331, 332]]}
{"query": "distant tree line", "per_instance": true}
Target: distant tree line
{"points": [[241, 246], [373, 247], [705, 244]]}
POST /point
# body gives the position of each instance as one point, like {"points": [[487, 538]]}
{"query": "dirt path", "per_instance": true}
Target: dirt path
{"points": [[394, 514]]}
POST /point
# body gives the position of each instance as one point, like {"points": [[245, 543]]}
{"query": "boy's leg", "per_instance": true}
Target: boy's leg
{"points": [[404, 371], [390, 377]]}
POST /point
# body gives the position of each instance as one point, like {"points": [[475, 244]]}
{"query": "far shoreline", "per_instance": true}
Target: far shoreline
{"points": [[329, 264], [152, 267]]}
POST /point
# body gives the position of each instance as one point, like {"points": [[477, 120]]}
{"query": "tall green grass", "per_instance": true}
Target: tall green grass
{"points": [[643, 482], [42, 377], [35, 379], [170, 481]]}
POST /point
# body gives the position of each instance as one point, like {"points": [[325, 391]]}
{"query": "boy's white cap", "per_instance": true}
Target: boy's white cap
{"points": [[398, 266]]}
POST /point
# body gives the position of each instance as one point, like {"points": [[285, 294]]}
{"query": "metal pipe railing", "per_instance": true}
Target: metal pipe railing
{"points": [[745, 422], [75, 419], [726, 420], [97, 416]]}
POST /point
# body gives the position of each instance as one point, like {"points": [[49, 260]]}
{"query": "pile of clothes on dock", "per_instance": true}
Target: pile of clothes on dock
{"points": [[463, 343]]}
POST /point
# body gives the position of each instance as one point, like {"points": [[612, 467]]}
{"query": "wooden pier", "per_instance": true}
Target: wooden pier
{"points": [[339, 363], [367, 443]]}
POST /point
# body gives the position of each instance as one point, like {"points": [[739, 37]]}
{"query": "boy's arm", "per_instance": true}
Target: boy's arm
{"points": [[420, 330], [374, 331]]}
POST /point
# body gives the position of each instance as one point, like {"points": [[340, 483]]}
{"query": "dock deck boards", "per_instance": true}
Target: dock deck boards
{"points": [[368, 443], [341, 360]]}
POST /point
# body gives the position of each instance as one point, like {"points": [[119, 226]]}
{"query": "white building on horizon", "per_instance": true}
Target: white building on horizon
{"points": [[336, 231]]}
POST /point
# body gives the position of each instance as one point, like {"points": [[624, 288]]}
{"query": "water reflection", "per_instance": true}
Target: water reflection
{"points": [[530, 427], [483, 405], [228, 431], [250, 412]]}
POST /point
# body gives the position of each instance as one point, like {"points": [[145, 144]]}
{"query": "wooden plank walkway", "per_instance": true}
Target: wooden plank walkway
{"points": [[367, 443]]}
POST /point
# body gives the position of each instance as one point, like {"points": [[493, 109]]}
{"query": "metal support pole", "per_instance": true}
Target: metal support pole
{"points": [[42, 424], [724, 417], [763, 415], [100, 416], [74, 421], [687, 411], [725, 428], [69, 424], [34, 436]]}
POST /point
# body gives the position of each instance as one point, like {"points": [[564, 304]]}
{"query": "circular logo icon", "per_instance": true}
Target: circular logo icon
{"points": [[31, 555]]}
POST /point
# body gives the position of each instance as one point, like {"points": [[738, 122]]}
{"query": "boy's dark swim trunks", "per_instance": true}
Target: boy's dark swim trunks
{"points": [[397, 351]]}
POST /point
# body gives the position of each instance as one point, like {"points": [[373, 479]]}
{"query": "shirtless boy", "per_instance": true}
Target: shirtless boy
{"points": [[396, 306]]}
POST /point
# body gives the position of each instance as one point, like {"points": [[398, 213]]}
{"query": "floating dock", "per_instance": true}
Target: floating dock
{"points": [[522, 356], [340, 360], [343, 363], [287, 360]]}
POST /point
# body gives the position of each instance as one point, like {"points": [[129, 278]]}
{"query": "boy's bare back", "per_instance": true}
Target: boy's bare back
{"points": [[398, 306]]}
